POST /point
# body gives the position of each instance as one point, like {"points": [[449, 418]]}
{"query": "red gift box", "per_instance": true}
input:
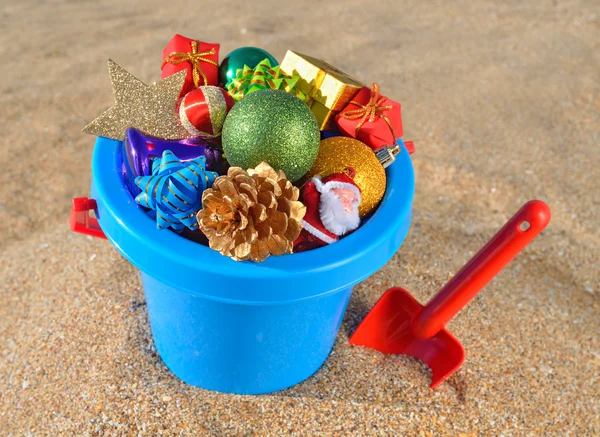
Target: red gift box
{"points": [[201, 59], [371, 118]]}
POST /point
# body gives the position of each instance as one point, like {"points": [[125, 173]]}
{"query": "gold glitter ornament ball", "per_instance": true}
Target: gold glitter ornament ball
{"points": [[337, 153], [275, 127]]}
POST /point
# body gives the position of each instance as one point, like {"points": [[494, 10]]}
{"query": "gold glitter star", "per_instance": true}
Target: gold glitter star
{"points": [[149, 108]]}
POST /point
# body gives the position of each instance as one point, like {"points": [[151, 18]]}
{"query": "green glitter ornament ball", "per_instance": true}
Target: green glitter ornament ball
{"points": [[275, 127]]}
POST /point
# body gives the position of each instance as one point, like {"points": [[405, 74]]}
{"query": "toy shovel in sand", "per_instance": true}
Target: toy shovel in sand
{"points": [[398, 324]]}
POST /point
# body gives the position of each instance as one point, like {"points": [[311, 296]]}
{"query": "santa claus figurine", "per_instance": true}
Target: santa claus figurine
{"points": [[331, 210]]}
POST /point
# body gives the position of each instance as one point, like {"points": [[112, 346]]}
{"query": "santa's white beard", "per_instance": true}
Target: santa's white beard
{"points": [[334, 217]]}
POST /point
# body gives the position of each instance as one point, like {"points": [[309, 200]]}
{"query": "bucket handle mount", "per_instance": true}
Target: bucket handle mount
{"points": [[81, 221]]}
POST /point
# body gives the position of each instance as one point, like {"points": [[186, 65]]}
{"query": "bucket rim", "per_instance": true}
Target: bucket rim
{"points": [[201, 271]]}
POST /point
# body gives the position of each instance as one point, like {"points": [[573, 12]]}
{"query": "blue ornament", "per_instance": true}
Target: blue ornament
{"points": [[174, 190]]}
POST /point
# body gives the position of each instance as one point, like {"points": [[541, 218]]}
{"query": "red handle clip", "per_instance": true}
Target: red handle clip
{"points": [[80, 218]]}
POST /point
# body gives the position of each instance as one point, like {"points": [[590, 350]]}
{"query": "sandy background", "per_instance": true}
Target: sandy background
{"points": [[502, 102]]}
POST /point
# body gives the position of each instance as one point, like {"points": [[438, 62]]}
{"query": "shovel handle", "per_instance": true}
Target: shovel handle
{"points": [[517, 233]]}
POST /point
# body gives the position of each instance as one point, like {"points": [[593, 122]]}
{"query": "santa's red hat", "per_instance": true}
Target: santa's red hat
{"points": [[343, 180]]}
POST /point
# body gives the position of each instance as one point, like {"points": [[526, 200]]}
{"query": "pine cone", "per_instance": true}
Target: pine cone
{"points": [[251, 215]]}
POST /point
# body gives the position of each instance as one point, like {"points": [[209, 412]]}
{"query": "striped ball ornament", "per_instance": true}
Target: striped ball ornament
{"points": [[202, 111]]}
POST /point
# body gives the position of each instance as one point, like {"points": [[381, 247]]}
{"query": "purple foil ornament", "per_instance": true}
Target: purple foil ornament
{"points": [[139, 150], [142, 149]]}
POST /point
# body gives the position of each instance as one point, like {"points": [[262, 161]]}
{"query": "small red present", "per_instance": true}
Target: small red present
{"points": [[371, 118], [201, 59]]}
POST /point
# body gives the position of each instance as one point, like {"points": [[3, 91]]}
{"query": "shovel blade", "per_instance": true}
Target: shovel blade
{"points": [[387, 328]]}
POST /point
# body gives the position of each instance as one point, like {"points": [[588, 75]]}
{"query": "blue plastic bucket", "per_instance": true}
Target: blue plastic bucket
{"points": [[236, 327]]}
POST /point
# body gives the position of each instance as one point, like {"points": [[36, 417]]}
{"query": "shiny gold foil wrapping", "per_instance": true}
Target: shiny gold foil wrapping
{"points": [[329, 89]]}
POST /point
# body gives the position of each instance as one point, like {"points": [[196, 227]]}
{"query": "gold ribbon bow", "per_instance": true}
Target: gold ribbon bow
{"points": [[193, 58], [369, 111]]}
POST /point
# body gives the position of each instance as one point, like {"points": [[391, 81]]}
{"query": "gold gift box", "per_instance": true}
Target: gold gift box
{"points": [[329, 89]]}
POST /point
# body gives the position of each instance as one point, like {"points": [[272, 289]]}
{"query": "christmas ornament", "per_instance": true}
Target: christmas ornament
{"points": [[202, 111], [271, 126], [150, 108], [198, 59], [337, 153], [174, 190], [371, 118], [251, 215], [332, 206], [141, 150], [237, 59], [262, 77]]}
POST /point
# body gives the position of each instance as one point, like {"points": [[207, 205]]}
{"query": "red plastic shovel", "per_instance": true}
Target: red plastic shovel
{"points": [[398, 324]]}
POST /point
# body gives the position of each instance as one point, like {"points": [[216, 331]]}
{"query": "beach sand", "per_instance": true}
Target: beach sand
{"points": [[503, 104]]}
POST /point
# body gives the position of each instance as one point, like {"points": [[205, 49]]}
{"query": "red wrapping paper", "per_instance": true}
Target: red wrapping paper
{"points": [[378, 119], [208, 62]]}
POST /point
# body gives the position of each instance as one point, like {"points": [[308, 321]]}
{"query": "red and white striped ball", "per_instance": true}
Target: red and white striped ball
{"points": [[202, 111]]}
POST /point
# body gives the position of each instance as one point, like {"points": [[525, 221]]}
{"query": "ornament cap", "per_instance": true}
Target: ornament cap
{"points": [[387, 154]]}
